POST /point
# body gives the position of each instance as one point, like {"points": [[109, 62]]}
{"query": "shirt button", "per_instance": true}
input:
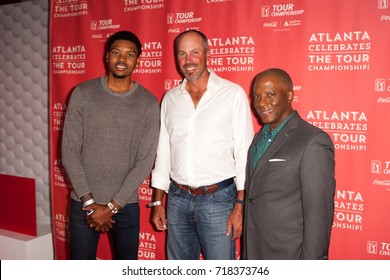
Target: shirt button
{"points": [[251, 200]]}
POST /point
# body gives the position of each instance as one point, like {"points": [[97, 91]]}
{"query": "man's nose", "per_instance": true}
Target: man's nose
{"points": [[122, 57]]}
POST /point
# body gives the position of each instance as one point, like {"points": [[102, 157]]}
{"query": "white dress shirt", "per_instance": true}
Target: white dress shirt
{"points": [[207, 144]]}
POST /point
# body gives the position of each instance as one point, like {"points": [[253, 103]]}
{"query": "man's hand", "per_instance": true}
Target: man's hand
{"points": [[101, 218], [235, 221], [158, 217]]}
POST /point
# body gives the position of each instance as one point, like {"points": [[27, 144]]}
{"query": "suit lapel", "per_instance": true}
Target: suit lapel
{"points": [[278, 142]]}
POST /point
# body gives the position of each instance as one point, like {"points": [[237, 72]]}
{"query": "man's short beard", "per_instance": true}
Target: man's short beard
{"points": [[116, 76]]}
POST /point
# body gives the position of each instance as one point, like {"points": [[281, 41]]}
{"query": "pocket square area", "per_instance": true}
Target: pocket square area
{"points": [[276, 159]]}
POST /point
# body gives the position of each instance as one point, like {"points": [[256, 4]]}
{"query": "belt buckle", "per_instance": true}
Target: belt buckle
{"points": [[189, 191]]}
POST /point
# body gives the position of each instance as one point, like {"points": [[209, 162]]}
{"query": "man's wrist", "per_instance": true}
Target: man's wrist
{"points": [[240, 201], [113, 209], [89, 202], [155, 203]]}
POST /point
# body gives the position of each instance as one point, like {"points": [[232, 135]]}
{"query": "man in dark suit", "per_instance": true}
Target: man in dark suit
{"points": [[290, 180]]}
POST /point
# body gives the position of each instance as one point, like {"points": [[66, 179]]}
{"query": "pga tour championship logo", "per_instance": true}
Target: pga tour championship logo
{"points": [[378, 168], [381, 169], [182, 17], [382, 87], [280, 10], [383, 4], [381, 248]]}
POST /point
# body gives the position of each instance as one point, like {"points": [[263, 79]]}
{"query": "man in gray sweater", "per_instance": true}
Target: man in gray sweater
{"points": [[108, 148]]}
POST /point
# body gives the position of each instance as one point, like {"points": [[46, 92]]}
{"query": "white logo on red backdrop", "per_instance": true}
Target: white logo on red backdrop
{"points": [[372, 247], [137, 5], [58, 117], [104, 24], [171, 83], [147, 246], [183, 18], [265, 11], [272, 24], [376, 167], [380, 84], [170, 18], [382, 87], [384, 249], [65, 9], [60, 177], [340, 51], [151, 58], [61, 227], [382, 170], [174, 30], [145, 192], [94, 25], [232, 54], [347, 129], [349, 206], [69, 60], [383, 4], [284, 12], [280, 10]]}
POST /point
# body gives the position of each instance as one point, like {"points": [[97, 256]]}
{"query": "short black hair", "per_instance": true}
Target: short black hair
{"points": [[124, 35], [283, 75]]}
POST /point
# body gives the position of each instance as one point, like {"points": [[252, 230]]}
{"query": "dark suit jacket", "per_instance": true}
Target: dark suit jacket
{"points": [[290, 195]]}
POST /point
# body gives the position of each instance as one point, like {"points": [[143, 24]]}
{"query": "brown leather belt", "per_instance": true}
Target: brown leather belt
{"points": [[204, 189]]}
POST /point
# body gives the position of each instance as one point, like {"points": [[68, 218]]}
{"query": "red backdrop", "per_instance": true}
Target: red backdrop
{"points": [[337, 53]]}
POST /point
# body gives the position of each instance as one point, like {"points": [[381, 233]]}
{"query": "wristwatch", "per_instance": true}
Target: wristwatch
{"points": [[239, 201], [113, 209]]}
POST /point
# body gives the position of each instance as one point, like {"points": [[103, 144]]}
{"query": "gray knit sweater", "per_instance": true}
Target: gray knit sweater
{"points": [[109, 141]]}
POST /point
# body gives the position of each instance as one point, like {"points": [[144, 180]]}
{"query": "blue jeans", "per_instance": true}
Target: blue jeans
{"points": [[124, 234], [197, 223]]}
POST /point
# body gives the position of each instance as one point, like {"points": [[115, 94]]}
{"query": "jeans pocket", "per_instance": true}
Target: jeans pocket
{"points": [[224, 195], [173, 193]]}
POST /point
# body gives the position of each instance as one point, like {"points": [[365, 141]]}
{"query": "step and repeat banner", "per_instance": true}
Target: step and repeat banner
{"points": [[337, 52]]}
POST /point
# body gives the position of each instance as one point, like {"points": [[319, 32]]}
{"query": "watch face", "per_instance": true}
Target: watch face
{"points": [[113, 209]]}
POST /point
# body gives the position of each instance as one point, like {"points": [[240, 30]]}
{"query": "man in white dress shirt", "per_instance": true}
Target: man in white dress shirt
{"points": [[206, 129]]}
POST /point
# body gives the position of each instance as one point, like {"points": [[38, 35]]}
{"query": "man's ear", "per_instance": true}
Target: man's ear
{"points": [[290, 96]]}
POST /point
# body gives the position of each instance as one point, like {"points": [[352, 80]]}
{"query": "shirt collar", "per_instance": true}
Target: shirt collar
{"points": [[212, 82], [273, 133]]}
